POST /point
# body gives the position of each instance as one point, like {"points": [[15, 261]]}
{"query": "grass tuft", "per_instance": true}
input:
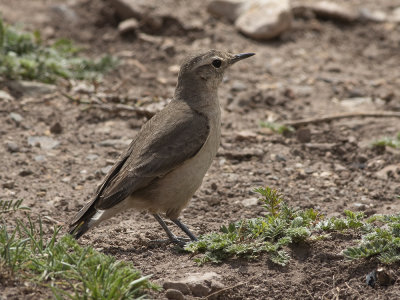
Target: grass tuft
{"points": [[61, 264], [23, 56]]}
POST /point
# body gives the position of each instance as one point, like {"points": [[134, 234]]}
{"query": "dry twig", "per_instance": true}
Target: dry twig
{"points": [[302, 122]]}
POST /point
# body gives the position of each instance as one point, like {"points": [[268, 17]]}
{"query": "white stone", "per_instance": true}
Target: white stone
{"points": [[335, 11], [5, 96], [250, 202], [229, 9], [264, 19]]}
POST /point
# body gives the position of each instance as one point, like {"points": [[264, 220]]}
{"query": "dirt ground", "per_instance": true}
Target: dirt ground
{"points": [[317, 68]]}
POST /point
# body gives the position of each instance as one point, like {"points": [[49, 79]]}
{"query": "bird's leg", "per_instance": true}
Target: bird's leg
{"points": [[185, 229], [172, 237]]}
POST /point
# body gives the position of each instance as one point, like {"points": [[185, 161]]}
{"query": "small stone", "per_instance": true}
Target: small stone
{"points": [[174, 69], [391, 171], [339, 167], [46, 143], [6, 97], [264, 19], [128, 26], [106, 169], [17, 118], [175, 285], [56, 128], [31, 88], [40, 158], [229, 9], [200, 290], [246, 135], [12, 147], [214, 186], [303, 135], [250, 202], [238, 86], [334, 11], [8, 185], [24, 173], [174, 294], [377, 16]]}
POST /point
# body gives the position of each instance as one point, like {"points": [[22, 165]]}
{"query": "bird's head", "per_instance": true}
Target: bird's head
{"points": [[208, 68]]}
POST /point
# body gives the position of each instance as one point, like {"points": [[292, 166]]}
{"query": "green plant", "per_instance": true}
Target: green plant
{"points": [[278, 128], [23, 56], [281, 227], [37, 253], [390, 142]]}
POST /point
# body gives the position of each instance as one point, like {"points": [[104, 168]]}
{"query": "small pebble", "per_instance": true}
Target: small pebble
{"points": [[12, 147], [174, 294]]}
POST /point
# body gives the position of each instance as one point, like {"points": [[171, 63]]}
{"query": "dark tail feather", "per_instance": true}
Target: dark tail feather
{"points": [[78, 230], [80, 223]]}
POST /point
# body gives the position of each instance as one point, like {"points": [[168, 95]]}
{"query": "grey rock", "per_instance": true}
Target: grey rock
{"points": [[31, 88], [264, 19], [229, 9], [174, 294], [44, 142], [334, 11], [17, 118], [40, 158], [12, 147], [128, 25], [106, 169], [177, 285], [4, 96]]}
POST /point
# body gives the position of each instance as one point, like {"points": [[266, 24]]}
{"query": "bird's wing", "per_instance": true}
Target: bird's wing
{"points": [[164, 143]]}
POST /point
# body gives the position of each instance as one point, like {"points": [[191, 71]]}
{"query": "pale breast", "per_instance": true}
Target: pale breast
{"points": [[171, 193]]}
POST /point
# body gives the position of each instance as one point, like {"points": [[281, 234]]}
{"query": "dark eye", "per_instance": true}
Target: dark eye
{"points": [[217, 63]]}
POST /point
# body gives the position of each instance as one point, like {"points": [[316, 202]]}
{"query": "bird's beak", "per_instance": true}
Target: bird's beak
{"points": [[240, 56]]}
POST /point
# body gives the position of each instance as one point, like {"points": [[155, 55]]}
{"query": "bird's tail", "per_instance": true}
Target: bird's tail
{"points": [[83, 220]]}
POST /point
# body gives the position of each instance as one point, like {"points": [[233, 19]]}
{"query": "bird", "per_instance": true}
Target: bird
{"points": [[167, 160]]}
